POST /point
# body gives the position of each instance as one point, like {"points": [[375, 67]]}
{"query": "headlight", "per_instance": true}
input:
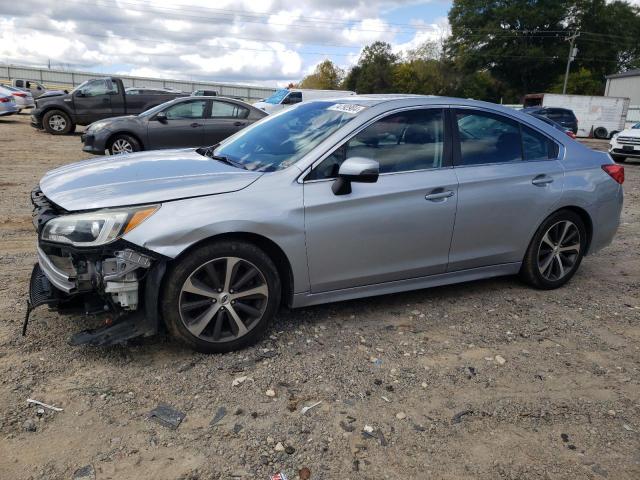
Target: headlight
{"points": [[95, 228], [96, 127]]}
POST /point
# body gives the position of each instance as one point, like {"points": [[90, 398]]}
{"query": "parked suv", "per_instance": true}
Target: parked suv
{"points": [[563, 116], [329, 200]]}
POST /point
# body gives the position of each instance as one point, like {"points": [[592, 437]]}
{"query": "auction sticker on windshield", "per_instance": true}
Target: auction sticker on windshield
{"points": [[347, 108]]}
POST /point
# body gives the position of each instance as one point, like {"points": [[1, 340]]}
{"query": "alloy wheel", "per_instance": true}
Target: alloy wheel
{"points": [[559, 250], [223, 299], [57, 123], [121, 146]]}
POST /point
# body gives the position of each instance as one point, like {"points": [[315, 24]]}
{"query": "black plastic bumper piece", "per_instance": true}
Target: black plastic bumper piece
{"points": [[41, 291]]}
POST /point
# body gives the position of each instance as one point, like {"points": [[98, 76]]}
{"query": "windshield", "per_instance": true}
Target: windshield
{"points": [[637, 125], [277, 97], [279, 141]]}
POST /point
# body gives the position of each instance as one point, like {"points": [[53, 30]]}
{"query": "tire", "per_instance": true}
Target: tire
{"points": [[601, 133], [199, 303], [122, 143], [536, 271], [618, 158], [57, 122]]}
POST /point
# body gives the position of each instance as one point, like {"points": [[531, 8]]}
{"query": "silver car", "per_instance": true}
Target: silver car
{"points": [[328, 200], [24, 99], [7, 105]]}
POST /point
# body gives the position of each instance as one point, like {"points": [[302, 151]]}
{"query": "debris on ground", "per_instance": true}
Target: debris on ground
{"points": [[239, 381], [29, 426], [304, 410], [457, 418], [219, 415], [167, 416], [85, 473], [304, 473], [45, 405], [279, 476], [500, 360], [270, 393]]}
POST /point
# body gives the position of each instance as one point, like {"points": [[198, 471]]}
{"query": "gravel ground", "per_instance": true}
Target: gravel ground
{"points": [[484, 380]]}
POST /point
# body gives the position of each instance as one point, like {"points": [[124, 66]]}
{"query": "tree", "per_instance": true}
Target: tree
{"points": [[326, 76], [581, 82], [518, 42], [374, 71]]}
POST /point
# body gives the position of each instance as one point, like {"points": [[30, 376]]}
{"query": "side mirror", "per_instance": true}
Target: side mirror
{"points": [[161, 117], [356, 169]]}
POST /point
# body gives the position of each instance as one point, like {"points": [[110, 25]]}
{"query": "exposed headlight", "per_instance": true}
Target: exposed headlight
{"points": [[95, 228]]}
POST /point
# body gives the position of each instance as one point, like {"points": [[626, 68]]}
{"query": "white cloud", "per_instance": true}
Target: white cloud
{"points": [[231, 40]]}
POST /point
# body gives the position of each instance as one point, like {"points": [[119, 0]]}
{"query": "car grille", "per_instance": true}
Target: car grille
{"points": [[43, 209], [629, 140]]}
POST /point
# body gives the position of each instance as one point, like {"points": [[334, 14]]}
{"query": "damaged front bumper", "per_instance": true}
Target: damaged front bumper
{"points": [[118, 281]]}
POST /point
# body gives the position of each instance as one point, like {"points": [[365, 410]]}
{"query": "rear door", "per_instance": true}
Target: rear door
{"points": [[184, 126], [93, 101], [510, 180], [224, 119]]}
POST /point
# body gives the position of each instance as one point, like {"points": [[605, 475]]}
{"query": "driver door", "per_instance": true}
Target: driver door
{"points": [[183, 127], [397, 228], [93, 101]]}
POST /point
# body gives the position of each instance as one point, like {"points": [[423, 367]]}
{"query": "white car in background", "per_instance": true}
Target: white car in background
{"points": [[625, 144], [23, 100], [286, 97], [7, 105]]}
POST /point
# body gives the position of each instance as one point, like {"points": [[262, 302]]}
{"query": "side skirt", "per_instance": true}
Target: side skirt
{"points": [[306, 299]]}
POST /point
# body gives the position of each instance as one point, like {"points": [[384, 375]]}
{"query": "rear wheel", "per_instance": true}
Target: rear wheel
{"points": [[221, 297], [555, 252], [124, 144], [57, 122]]}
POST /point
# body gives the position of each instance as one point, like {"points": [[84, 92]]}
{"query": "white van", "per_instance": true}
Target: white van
{"points": [[288, 96]]}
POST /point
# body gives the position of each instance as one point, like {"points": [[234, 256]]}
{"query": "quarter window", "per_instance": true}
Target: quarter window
{"points": [[536, 146], [193, 109], [228, 110], [405, 141]]}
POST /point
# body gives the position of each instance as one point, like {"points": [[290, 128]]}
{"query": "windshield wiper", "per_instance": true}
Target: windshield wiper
{"points": [[208, 152]]}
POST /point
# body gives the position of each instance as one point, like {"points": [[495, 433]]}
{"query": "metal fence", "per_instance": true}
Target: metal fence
{"points": [[65, 79]]}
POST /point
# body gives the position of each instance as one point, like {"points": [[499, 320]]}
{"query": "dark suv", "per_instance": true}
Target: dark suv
{"points": [[563, 116]]}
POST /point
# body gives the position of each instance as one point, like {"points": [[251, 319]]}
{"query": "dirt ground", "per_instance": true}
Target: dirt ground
{"points": [[422, 371]]}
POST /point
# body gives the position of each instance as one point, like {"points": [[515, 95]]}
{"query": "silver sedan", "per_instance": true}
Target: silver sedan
{"points": [[326, 201]]}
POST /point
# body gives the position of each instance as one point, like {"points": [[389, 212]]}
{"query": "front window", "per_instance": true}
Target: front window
{"points": [[94, 88], [182, 110], [277, 97], [279, 141], [401, 142]]}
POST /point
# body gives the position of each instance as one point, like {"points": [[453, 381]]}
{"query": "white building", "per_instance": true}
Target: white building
{"points": [[626, 84]]}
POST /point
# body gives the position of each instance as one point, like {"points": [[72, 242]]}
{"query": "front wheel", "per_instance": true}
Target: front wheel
{"points": [[121, 144], [57, 122], [221, 297], [555, 252]]}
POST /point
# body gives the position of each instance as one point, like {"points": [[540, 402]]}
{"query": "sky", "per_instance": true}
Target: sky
{"points": [[263, 42]]}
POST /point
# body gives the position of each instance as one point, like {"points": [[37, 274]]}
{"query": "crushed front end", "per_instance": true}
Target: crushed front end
{"points": [[85, 267]]}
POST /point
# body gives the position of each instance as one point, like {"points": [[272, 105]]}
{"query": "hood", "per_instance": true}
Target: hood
{"points": [[139, 178], [630, 132], [112, 122], [52, 93]]}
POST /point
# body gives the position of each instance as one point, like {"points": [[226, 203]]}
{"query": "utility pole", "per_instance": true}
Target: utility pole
{"points": [[572, 55]]}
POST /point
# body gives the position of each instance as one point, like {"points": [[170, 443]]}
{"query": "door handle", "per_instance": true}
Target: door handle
{"points": [[542, 180], [195, 125], [438, 195], [239, 124]]}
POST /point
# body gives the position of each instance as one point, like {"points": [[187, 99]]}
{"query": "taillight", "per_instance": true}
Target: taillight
{"points": [[571, 134], [22, 95], [5, 99], [615, 171]]}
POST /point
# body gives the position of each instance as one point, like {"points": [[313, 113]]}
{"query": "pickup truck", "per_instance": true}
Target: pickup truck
{"points": [[91, 101]]}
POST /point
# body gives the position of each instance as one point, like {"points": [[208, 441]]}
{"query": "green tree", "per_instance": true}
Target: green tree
{"points": [[581, 82], [374, 71], [326, 76], [518, 42]]}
